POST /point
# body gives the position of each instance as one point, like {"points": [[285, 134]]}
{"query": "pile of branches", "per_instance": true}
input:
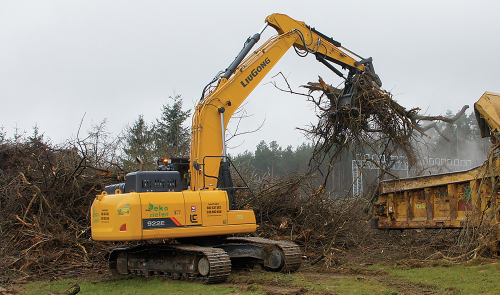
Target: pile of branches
{"points": [[45, 196], [334, 231], [375, 121], [481, 233], [372, 122]]}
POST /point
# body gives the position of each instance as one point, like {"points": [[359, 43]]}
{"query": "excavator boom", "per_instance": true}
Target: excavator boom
{"points": [[215, 109]]}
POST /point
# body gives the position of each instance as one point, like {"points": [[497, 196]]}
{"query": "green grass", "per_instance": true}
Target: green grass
{"points": [[321, 284], [378, 279], [467, 279], [129, 285], [355, 285], [252, 284]]}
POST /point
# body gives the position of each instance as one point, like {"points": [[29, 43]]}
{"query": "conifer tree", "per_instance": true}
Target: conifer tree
{"points": [[139, 143], [171, 137]]}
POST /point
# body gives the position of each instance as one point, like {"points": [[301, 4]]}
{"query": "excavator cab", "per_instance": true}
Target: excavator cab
{"points": [[181, 165]]}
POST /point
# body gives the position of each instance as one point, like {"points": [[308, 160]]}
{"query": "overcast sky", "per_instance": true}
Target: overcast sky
{"points": [[61, 61]]}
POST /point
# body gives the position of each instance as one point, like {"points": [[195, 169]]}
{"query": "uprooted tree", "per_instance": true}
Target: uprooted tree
{"points": [[372, 120]]}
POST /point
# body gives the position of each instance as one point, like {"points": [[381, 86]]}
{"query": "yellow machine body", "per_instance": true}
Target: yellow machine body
{"points": [[162, 215], [487, 110]]}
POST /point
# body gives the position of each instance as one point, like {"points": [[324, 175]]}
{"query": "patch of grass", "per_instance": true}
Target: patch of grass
{"points": [[132, 286], [377, 279], [354, 285], [463, 279], [309, 282]]}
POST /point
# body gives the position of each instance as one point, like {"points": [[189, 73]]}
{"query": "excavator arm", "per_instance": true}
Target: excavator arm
{"points": [[312, 41], [233, 86]]}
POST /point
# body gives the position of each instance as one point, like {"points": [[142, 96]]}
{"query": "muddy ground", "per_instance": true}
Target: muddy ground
{"points": [[323, 277], [320, 278], [308, 280]]}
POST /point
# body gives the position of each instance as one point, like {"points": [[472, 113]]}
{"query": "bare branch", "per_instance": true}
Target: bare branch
{"points": [[289, 88]]}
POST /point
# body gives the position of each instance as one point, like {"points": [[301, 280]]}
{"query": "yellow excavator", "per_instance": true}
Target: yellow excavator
{"points": [[192, 201]]}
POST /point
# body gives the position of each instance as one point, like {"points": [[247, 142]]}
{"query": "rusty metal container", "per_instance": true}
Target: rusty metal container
{"points": [[450, 200]]}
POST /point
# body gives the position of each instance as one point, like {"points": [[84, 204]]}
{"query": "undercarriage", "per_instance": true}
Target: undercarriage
{"points": [[208, 262]]}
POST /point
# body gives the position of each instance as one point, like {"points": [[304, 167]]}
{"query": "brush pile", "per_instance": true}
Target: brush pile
{"points": [[335, 231], [46, 191], [45, 197]]}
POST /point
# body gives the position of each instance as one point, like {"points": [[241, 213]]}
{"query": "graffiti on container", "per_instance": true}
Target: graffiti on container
{"points": [[441, 196], [465, 201]]}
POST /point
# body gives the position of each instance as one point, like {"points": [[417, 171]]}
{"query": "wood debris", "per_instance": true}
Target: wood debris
{"points": [[372, 120]]}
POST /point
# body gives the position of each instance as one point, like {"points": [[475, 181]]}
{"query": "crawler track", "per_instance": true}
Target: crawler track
{"points": [[203, 263], [174, 261], [220, 264], [292, 253]]}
